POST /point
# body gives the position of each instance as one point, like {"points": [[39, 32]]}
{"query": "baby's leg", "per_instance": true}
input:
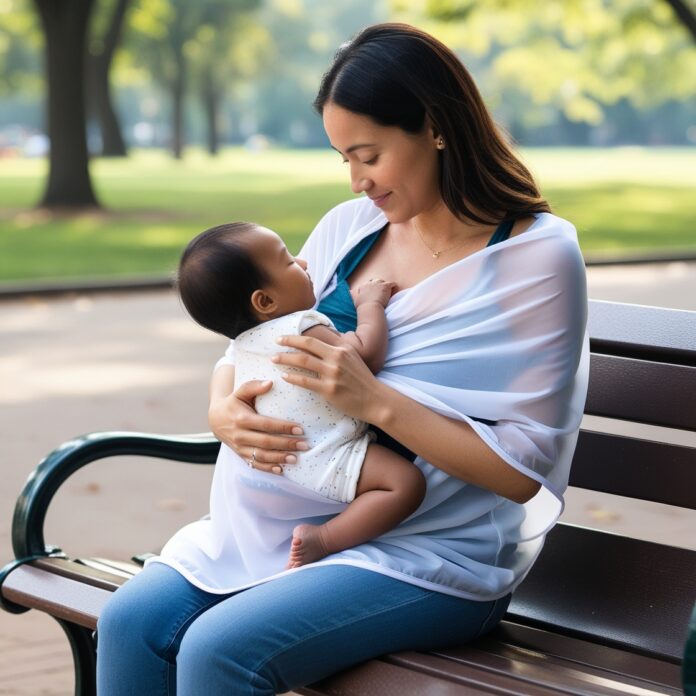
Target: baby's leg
{"points": [[389, 489]]}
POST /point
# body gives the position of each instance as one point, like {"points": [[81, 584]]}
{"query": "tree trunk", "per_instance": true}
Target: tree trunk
{"points": [[65, 28], [211, 101], [101, 106], [101, 103], [178, 91]]}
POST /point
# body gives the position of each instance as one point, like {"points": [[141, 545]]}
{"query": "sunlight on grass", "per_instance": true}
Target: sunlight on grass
{"points": [[670, 167], [622, 200]]}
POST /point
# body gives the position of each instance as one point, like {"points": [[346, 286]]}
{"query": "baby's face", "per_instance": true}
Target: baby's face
{"points": [[289, 282]]}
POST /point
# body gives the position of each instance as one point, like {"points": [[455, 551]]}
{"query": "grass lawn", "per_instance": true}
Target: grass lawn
{"points": [[626, 200]]}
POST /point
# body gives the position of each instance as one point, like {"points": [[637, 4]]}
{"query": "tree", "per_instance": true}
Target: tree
{"points": [[304, 37], [226, 48], [576, 56], [102, 46], [164, 30], [64, 24]]}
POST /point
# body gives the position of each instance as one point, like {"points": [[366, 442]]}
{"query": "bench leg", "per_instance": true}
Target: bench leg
{"points": [[84, 658]]}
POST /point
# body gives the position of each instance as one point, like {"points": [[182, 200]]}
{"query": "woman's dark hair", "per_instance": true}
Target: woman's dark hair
{"points": [[216, 278], [397, 74]]}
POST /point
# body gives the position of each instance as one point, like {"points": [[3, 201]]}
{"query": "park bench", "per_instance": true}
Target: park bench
{"points": [[600, 613]]}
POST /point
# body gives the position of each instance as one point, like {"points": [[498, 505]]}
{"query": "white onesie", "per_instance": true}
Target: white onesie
{"points": [[337, 442]]}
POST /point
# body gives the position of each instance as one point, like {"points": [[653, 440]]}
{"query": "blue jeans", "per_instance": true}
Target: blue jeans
{"points": [[159, 635]]}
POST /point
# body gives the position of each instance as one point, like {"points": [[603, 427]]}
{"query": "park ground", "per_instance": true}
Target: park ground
{"points": [[622, 200]]}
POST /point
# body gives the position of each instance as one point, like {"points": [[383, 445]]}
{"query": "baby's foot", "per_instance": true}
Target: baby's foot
{"points": [[308, 545]]}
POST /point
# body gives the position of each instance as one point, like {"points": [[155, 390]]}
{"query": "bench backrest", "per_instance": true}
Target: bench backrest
{"points": [[613, 588]]}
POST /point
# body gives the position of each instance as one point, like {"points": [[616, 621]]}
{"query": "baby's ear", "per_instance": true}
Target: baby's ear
{"points": [[263, 304]]}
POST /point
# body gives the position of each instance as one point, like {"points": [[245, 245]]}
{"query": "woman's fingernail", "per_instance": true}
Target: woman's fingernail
{"points": [[297, 430], [280, 340], [274, 358], [277, 469], [302, 446], [291, 459]]}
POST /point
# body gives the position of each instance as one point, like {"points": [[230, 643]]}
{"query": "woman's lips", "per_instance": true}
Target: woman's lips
{"points": [[379, 201]]}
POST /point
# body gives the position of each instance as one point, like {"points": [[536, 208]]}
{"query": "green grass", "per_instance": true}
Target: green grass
{"points": [[621, 200]]}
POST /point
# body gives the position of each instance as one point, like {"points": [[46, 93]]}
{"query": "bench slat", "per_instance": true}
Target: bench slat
{"points": [[634, 594], [641, 469], [485, 667], [121, 569], [653, 333], [642, 391], [556, 674], [512, 677], [64, 598], [509, 635], [75, 570], [380, 678]]}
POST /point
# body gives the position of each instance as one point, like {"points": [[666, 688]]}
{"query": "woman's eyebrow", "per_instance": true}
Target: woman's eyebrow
{"points": [[352, 148]]}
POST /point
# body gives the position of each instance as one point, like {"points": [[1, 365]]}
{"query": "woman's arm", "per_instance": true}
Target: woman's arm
{"points": [[451, 445], [234, 421]]}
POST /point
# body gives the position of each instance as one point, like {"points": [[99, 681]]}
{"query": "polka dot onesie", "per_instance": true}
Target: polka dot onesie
{"points": [[337, 442]]}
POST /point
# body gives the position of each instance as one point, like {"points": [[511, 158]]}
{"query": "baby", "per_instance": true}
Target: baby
{"points": [[241, 281]]}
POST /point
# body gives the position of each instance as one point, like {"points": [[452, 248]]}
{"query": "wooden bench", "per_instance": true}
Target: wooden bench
{"points": [[599, 613]]}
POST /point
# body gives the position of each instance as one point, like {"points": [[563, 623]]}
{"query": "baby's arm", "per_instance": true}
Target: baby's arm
{"points": [[370, 336]]}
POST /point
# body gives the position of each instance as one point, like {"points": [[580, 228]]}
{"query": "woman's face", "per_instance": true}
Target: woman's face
{"points": [[398, 171]]}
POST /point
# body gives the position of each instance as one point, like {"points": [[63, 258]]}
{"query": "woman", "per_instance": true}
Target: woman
{"points": [[484, 381]]}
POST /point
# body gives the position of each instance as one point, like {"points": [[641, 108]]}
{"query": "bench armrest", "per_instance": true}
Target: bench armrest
{"points": [[63, 462]]}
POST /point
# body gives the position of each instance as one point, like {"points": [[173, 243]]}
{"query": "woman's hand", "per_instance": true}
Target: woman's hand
{"points": [[265, 443], [342, 377]]}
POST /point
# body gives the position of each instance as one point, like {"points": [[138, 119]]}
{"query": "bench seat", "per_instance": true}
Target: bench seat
{"points": [[515, 658]]}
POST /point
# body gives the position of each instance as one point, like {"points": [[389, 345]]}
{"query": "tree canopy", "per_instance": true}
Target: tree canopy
{"points": [[577, 56], [236, 68]]}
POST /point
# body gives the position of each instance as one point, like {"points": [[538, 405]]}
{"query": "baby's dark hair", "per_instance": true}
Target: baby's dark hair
{"points": [[217, 276]]}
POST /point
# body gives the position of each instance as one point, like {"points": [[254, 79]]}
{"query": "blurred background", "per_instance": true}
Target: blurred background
{"points": [[128, 126], [180, 115]]}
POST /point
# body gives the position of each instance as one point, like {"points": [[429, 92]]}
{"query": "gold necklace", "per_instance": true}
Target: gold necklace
{"points": [[436, 254]]}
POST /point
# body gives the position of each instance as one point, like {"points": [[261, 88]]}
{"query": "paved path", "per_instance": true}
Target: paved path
{"points": [[135, 362]]}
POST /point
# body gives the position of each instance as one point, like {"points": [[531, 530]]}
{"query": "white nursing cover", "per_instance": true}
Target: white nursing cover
{"points": [[498, 336]]}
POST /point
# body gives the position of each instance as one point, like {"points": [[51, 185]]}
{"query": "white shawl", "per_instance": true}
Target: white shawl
{"points": [[496, 339]]}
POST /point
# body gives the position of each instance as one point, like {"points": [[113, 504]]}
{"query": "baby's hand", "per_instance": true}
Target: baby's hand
{"points": [[376, 290]]}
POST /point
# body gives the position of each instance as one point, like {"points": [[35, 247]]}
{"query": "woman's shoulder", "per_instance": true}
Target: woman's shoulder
{"points": [[549, 222], [352, 215], [553, 244], [553, 232]]}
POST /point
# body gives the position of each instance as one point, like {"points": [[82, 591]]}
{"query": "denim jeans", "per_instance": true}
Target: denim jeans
{"points": [[159, 635]]}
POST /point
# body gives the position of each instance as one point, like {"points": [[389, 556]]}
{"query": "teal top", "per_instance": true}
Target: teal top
{"points": [[339, 306]]}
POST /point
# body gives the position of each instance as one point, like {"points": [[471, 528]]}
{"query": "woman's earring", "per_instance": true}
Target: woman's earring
{"points": [[440, 143]]}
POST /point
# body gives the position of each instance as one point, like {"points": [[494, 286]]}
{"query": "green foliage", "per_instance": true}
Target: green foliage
{"points": [[304, 35], [20, 47], [161, 30], [621, 200], [574, 55]]}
